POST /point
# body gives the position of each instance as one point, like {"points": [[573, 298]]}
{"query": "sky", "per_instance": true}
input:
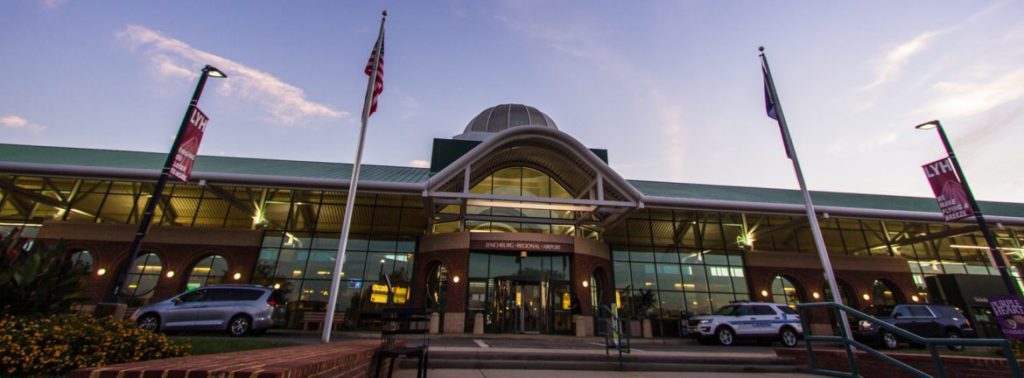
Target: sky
{"points": [[672, 89]]}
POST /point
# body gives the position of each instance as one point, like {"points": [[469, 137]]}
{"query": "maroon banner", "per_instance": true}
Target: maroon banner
{"points": [[949, 192], [185, 157]]}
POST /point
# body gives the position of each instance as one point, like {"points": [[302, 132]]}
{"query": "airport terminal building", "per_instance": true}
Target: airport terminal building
{"points": [[514, 220]]}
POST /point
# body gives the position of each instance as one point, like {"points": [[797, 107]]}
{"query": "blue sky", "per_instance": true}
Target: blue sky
{"points": [[672, 89]]}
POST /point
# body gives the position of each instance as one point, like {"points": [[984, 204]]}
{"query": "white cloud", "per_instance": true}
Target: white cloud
{"points": [[967, 98], [174, 59], [420, 163], [898, 57], [13, 122], [879, 141]]}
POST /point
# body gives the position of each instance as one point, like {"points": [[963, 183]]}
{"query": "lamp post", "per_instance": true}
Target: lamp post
{"points": [[993, 248], [154, 199]]}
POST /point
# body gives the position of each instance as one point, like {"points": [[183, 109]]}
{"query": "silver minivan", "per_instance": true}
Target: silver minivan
{"points": [[238, 309]]}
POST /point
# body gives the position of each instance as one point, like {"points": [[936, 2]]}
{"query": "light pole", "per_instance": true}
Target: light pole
{"points": [[993, 248], [154, 199]]}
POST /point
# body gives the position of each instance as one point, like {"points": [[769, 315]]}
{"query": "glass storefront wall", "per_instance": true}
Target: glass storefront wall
{"points": [[677, 261], [516, 216], [520, 293], [671, 264]]}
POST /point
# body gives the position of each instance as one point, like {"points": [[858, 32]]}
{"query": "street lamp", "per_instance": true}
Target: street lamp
{"points": [[993, 248], [154, 199]]}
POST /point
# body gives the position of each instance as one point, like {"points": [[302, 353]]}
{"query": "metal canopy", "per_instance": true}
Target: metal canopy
{"points": [[600, 196]]}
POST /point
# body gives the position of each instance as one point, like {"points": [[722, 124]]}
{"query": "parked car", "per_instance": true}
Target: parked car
{"points": [[237, 309], [925, 320], [761, 321]]}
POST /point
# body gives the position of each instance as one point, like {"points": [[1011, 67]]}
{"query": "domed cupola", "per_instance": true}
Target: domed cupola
{"points": [[503, 117]]}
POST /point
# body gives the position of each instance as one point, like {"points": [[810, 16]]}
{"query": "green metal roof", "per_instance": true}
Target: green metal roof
{"points": [[381, 173], [234, 165], [786, 196]]}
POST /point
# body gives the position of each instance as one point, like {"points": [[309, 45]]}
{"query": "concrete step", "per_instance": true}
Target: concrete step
{"points": [[553, 360], [545, 355], [438, 363]]}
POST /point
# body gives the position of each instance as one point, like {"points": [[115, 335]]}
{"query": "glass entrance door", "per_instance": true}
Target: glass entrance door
{"points": [[533, 307], [522, 306]]}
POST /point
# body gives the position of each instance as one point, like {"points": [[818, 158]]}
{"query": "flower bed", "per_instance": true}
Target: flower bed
{"points": [[57, 344]]}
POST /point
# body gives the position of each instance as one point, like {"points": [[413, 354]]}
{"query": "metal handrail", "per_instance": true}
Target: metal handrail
{"points": [[611, 332], [929, 342]]}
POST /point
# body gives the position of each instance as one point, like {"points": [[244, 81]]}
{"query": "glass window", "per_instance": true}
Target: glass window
{"points": [[82, 258], [763, 310], [783, 291], [883, 294], [208, 271], [143, 275]]}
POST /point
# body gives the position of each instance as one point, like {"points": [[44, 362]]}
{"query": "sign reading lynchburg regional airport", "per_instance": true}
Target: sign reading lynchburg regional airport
{"points": [[1009, 314], [185, 157], [949, 192]]}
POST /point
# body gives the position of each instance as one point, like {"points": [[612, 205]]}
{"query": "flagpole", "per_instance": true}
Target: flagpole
{"points": [[812, 217], [350, 200]]}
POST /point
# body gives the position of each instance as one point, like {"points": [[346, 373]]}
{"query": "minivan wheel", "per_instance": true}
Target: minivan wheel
{"points": [[889, 341], [788, 337], [726, 336], [149, 322], [239, 325], [954, 335]]}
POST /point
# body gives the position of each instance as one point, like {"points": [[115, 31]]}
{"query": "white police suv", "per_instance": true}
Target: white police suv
{"points": [[760, 321]]}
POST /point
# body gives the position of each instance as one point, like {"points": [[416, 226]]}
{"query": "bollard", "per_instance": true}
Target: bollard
{"points": [[478, 324], [435, 323]]}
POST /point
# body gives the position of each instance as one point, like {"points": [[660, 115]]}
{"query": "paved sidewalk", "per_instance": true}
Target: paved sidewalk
{"points": [[489, 373]]}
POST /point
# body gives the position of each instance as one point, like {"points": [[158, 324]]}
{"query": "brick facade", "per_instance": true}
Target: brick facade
{"points": [[179, 250]]}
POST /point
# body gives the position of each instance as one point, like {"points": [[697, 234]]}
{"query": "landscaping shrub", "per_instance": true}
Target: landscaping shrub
{"points": [[57, 344], [37, 278]]}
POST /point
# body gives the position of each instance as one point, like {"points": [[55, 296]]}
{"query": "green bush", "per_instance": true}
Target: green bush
{"points": [[37, 278], [55, 345]]}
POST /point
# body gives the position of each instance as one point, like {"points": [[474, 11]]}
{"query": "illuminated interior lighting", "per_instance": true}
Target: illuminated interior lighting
{"points": [[915, 298], [866, 297], [816, 295], [101, 272], [764, 293], [529, 205], [985, 248], [237, 276], [170, 274]]}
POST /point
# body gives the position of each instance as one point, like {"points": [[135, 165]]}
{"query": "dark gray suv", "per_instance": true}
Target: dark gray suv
{"points": [[238, 309]]}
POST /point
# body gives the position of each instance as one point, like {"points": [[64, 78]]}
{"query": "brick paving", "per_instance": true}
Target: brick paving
{"points": [[341, 359]]}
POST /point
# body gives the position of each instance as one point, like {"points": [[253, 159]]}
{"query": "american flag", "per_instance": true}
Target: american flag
{"points": [[376, 58]]}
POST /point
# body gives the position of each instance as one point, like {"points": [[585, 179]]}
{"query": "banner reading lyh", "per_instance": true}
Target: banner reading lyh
{"points": [[185, 156], [949, 192]]}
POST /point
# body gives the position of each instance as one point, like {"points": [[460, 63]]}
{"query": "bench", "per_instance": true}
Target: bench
{"points": [[396, 322], [319, 318]]}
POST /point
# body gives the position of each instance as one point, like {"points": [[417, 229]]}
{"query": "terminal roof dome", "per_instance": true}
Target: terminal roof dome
{"points": [[503, 117]]}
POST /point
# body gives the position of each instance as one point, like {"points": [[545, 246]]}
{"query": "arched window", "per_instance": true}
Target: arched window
{"points": [[82, 258], [883, 294], [143, 275], [208, 271], [596, 288], [437, 286], [783, 291], [845, 293]]}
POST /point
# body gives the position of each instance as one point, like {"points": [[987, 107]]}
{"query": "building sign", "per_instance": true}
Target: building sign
{"points": [[520, 246], [185, 157], [1009, 312], [949, 192]]}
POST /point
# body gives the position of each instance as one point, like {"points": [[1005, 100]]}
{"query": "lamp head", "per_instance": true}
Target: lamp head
{"points": [[214, 72], [928, 125]]}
